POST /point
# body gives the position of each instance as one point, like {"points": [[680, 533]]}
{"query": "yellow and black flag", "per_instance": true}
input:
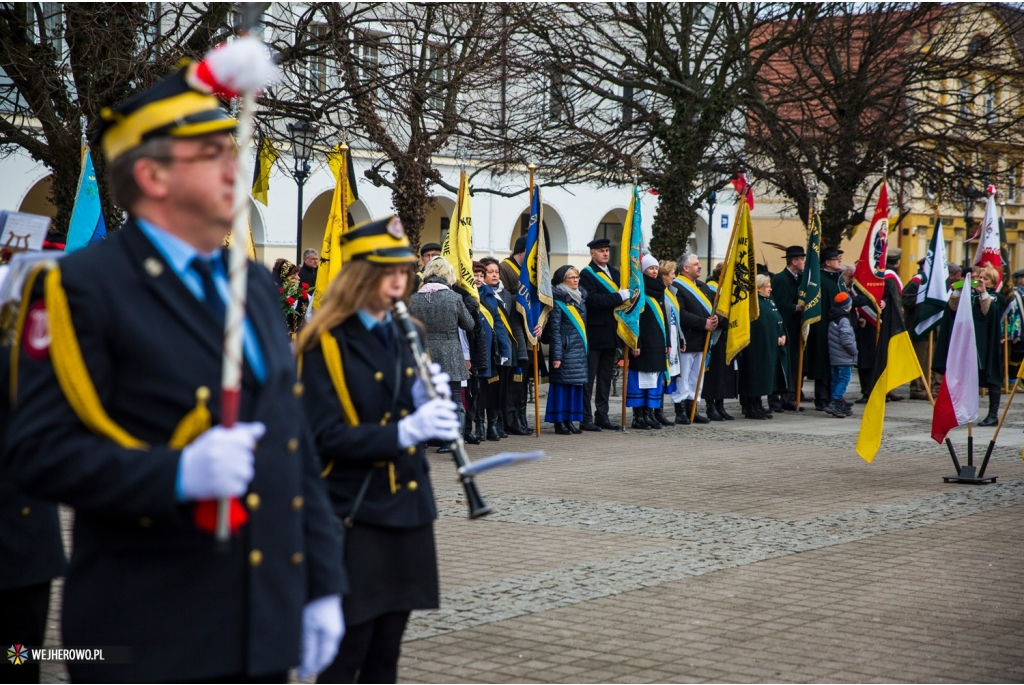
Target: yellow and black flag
{"points": [[265, 156], [737, 301], [895, 364]]}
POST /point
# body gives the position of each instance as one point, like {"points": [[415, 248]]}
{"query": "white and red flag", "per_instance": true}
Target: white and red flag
{"points": [[988, 252], [957, 402]]}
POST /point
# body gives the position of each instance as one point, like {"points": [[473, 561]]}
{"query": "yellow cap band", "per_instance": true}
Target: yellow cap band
{"points": [[129, 132]]}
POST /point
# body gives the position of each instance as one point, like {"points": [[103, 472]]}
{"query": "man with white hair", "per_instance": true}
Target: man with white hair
{"points": [[696, 318]]}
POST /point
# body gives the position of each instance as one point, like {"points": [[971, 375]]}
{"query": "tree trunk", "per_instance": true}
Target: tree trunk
{"points": [[675, 220]]}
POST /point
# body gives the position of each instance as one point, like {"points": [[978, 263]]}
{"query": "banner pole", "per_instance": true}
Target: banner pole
{"points": [[625, 377], [1006, 356], [992, 442], [931, 342], [536, 390], [800, 371]]}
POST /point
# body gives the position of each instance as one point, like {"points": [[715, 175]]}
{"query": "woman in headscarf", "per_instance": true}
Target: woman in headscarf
{"points": [[566, 333], [648, 365]]}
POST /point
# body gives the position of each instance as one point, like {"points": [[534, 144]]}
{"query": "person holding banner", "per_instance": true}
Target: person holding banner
{"points": [[116, 416], [648, 365], [601, 283], [566, 333], [696, 318], [786, 295]]}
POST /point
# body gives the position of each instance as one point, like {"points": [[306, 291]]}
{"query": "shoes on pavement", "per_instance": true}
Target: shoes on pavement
{"points": [[590, 426]]}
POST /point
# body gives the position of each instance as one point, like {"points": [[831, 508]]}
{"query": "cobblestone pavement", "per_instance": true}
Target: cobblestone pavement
{"points": [[748, 551]]}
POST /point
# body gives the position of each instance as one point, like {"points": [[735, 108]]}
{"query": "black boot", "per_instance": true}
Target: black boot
{"points": [[638, 420], [713, 410], [994, 396], [697, 416], [761, 408], [661, 418], [573, 428], [492, 426], [561, 428], [500, 421], [682, 418], [524, 424], [720, 406], [479, 426], [649, 418]]}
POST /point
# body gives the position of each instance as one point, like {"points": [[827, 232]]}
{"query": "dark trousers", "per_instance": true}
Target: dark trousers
{"points": [[369, 652], [822, 392], [867, 381], [515, 392], [23, 622], [600, 364]]}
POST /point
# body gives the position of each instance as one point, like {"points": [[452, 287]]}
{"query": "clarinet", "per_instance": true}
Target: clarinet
{"points": [[477, 506]]}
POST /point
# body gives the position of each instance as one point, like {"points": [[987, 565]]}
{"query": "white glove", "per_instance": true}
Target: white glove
{"points": [[435, 419], [439, 379], [624, 294], [323, 626], [219, 462]]}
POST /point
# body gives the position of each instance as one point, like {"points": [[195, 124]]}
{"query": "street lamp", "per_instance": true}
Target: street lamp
{"points": [[712, 200], [303, 135]]}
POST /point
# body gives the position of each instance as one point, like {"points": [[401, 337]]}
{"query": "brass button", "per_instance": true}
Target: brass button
{"points": [[298, 389], [255, 557], [252, 500], [297, 502], [379, 376], [25, 511], [293, 445], [412, 485], [403, 413], [411, 449], [297, 558], [384, 419], [408, 371], [145, 521]]}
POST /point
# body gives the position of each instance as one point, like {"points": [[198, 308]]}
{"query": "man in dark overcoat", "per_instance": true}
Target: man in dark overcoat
{"points": [[601, 283], [117, 416], [818, 366], [786, 295]]}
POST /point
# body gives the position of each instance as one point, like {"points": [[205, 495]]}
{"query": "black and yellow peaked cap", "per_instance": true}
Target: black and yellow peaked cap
{"points": [[381, 241], [169, 108]]}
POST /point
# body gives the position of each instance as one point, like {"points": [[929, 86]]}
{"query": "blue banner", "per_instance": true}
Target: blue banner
{"points": [[631, 275], [87, 224], [534, 296]]}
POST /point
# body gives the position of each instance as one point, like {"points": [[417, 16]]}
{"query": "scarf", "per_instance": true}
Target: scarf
{"points": [[575, 296]]}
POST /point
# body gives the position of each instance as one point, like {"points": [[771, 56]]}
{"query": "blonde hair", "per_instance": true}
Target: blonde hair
{"points": [[762, 281], [356, 285], [988, 271], [439, 267], [666, 268]]}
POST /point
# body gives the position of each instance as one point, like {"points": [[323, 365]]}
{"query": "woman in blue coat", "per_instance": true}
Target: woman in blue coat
{"points": [[566, 333]]}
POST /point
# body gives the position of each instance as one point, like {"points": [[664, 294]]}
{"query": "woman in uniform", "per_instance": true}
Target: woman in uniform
{"points": [[370, 415], [764, 362]]}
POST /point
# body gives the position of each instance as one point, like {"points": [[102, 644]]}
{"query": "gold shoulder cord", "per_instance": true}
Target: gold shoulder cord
{"points": [[76, 384]]}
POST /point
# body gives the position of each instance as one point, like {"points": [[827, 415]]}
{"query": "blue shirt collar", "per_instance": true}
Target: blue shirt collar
{"points": [[369, 321], [177, 252]]}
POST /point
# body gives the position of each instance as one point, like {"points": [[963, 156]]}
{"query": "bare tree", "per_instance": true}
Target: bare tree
{"points": [[889, 85], [649, 87]]}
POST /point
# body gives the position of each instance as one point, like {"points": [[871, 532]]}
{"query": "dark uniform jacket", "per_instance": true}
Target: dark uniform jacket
{"points": [[380, 384], [31, 551], [601, 304], [786, 294], [692, 316], [764, 363], [142, 574], [652, 342]]}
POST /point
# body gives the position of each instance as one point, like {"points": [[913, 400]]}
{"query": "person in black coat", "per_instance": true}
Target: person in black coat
{"points": [[31, 556], [113, 418], [720, 378], [786, 294], [648, 364], [566, 333], [370, 415], [601, 283]]}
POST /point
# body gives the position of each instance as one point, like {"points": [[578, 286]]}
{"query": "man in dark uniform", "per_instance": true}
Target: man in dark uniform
{"points": [[601, 283], [786, 293], [113, 418], [515, 406], [31, 556]]}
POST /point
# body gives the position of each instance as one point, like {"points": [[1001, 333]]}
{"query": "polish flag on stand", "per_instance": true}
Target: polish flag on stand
{"points": [[957, 402]]}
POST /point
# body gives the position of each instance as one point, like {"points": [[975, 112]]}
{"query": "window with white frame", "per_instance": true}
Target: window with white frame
{"points": [[315, 80], [965, 99], [991, 103]]}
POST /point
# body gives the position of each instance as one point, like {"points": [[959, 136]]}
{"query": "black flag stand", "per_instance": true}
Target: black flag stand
{"points": [[966, 474]]}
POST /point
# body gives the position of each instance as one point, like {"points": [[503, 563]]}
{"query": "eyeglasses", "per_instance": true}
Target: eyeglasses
{"points": [[571, 278], [226, 155]]}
